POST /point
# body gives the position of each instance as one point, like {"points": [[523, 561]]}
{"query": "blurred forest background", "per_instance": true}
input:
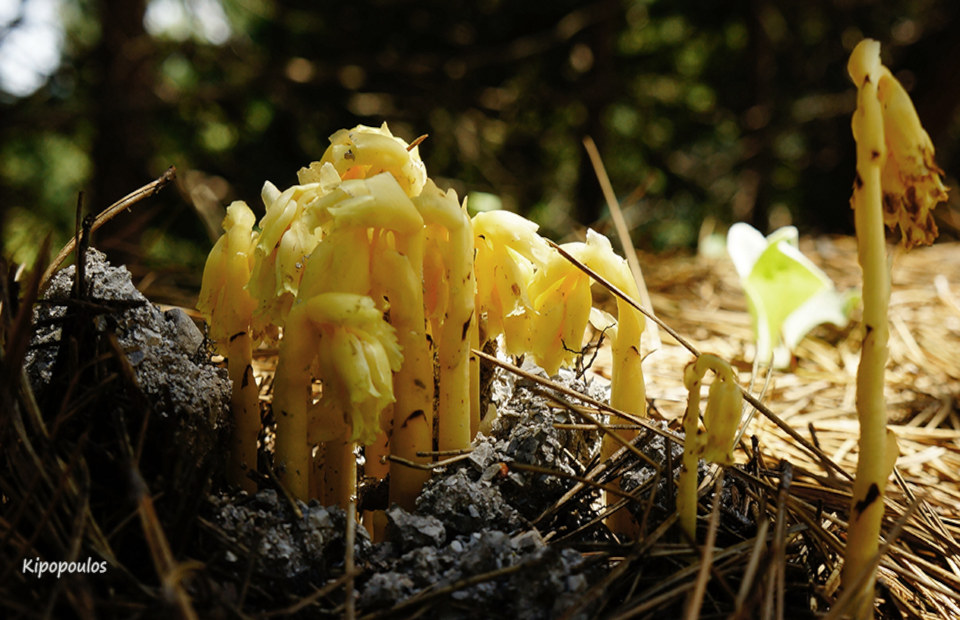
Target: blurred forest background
{"points": [[702, 111]]}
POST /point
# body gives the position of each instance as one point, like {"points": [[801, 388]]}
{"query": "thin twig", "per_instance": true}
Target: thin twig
{"points": [[640, 547], [651, 335], [695, 601], [609, 488], [419, 599], [311, 598], [751, 571], [423, 466], [108, 214]]}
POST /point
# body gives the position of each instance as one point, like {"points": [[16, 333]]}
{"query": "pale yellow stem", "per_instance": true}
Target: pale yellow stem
{"points": [[316, 474], [721, 419], [874, 464], [687, 480], [475, 414], [376, 468], [291, 393], [399, 278], [453, 353], [627, 393], [627, 389]]}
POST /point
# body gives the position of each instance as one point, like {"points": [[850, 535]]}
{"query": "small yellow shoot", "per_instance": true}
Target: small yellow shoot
{"points": [[562, 302], [720, 418]]}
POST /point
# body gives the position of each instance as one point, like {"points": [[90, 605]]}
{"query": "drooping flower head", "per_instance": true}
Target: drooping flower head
{"points": [[509, 251], [223, 300], [363, 152], [355, 352]]}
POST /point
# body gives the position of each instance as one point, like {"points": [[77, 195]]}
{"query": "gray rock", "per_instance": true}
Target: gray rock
{"points": [[185, 331], [383, 590], [411, 531], [283, 545], [465, 505], [189, 399]]}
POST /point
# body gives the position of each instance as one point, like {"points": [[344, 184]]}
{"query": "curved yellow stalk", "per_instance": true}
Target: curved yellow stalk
{"points": [[628, 391], [228, 309], [897, 182], [562, 301], [442, 210], [398, 278], [721, 419], [627, 387]]}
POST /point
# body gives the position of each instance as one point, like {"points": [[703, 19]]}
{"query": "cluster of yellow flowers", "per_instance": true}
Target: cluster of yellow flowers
{"points": [[375, 283]]}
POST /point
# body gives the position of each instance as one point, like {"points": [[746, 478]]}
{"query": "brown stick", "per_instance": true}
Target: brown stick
{"points": [[108, 214]]}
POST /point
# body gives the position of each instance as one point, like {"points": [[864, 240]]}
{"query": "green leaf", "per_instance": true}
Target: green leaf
{"points": [[786, 293]]}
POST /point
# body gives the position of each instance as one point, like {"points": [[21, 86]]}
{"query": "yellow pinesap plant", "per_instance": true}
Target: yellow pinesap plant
{"points": [[228, 308], [374, 281], [715, 443], [452, 291], [562, 304], [377, 174], [897, 184]]}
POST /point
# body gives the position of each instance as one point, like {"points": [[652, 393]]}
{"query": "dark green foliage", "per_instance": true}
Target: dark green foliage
{"points": [[737, 110]]}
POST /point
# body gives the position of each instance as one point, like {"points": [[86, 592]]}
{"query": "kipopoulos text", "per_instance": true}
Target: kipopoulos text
{"points": [[38, 567]]}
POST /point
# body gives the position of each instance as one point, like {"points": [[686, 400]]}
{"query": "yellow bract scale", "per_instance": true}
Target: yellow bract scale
{"points": [[223, 300], [365, 151], [286, 238], [722, 417], [341, 262], [508, 249], [376, 202], [911, 181]]}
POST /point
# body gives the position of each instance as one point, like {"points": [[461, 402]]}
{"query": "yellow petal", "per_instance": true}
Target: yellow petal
{"points": [[365, 151], [911, 181], [562, 302], [223, 299]]}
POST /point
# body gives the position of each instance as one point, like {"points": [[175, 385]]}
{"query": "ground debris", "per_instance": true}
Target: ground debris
{"points": [[512, 529], [282, 545]]}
